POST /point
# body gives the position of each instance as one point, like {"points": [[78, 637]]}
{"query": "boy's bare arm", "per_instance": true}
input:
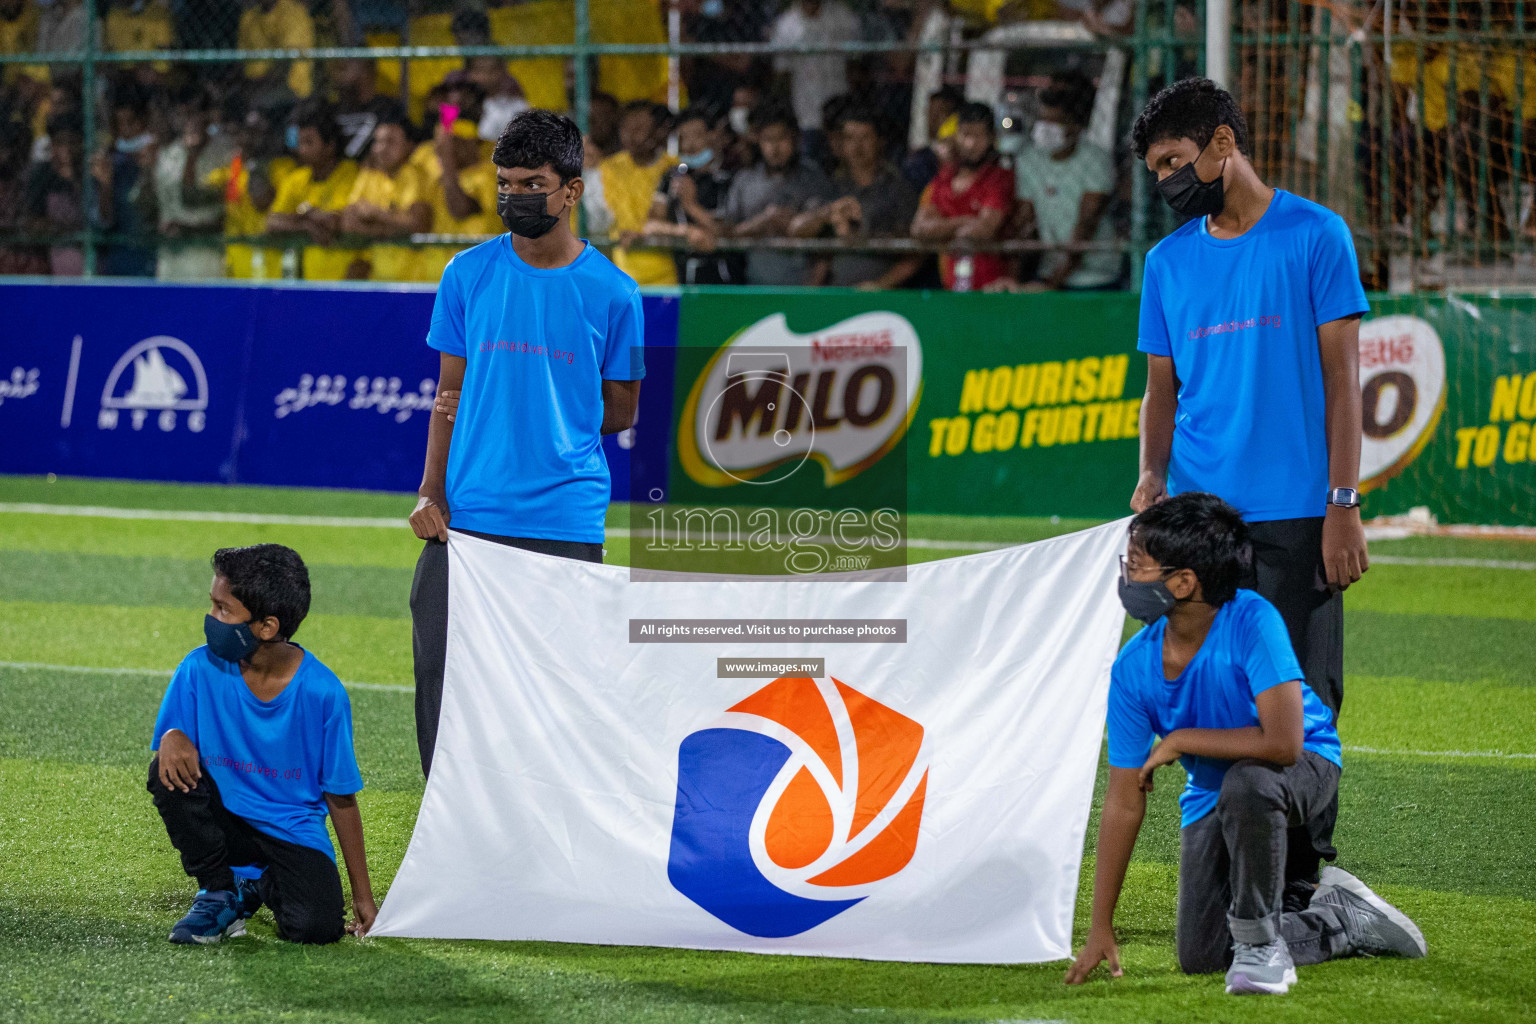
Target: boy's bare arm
{"points": [[430, 519], [348, 822], [1125, 805]]}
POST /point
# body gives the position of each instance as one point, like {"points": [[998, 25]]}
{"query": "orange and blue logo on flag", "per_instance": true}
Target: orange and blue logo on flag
{"points": [[796, 805]]}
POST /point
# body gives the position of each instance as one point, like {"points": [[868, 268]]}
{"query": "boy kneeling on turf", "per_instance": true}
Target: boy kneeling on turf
{"points": [[1213, 674], [254, 743]]}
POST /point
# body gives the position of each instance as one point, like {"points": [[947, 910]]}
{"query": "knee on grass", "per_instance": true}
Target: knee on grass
{"points": [[310, 926]]}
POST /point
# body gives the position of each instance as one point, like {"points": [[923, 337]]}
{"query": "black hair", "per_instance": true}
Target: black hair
{"points": [[268, 579], [1071, 92], [863, 113], [976, 112], [773, 112], [698, 112], [68, 122], [397, 118], [470, 26], [661, 117], [606, 98], [535, 138], [949, 94], [322, 119], [1189, 109], [1199, 532]]}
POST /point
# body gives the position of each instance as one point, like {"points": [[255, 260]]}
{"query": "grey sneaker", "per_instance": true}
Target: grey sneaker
{"points": [[1261, 970], [1373, 926]]}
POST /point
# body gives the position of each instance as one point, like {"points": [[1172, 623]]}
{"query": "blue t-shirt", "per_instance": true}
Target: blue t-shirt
{"points": [[1246, 652], [1239, 316], [273, 761], [527, 455]]}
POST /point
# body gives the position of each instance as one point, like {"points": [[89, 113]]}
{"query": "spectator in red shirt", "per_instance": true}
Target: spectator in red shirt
{"points": [[969, 200]]}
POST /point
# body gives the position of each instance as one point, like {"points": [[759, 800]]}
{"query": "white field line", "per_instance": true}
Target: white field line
{"points": [[1496, 754], [40, 666], [1471, 563], [178, 516], [164, 673], [255, 518]]}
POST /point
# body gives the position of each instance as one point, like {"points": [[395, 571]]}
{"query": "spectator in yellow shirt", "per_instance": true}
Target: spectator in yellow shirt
{"points": [[248, 183], [463, 194], [389, 200], [313, 196], [18, 34], [134, 25], [630, 179], [275, 25]]}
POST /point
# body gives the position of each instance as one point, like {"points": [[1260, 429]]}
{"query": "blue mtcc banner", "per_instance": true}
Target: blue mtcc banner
{"points": [[277, 385]]}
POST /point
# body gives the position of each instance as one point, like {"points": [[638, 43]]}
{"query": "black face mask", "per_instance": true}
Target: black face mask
{"points": [[1147, 600], [526, 214], [232, 641], [1189, 196]]}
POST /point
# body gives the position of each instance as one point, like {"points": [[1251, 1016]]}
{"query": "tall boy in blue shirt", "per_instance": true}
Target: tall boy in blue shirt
{"points": [[1250, 319], [539, 339], [1214, 676], [254, 746]]}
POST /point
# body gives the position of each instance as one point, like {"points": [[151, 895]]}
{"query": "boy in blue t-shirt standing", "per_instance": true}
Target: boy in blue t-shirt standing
{"points": [[1214, 676], [254, 746], [540, 354]]}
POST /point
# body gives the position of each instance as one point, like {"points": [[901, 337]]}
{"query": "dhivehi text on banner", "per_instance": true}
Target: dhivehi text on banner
{"points": [[842, 767]]}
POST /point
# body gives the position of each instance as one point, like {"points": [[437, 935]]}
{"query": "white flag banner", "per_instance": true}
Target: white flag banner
{"points": [[887, 770]]}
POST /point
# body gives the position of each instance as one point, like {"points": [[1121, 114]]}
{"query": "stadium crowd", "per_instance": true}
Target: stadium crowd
{"points": [[331, 170]]}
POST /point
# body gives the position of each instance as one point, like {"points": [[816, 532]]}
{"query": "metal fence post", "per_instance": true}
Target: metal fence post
{"points": [[88, 135], [1218, 42], [583, 86]]}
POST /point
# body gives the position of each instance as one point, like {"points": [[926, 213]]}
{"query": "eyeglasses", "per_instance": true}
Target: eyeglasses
{"points": [[1125, 570]]}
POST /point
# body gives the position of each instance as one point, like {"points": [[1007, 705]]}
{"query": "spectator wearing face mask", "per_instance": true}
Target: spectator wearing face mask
{"points": [[968, 201], [1064, 187], [122, 195], [688, 203]]}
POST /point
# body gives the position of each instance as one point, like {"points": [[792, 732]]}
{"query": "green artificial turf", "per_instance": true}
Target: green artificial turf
{"points": [[1439, 727]]}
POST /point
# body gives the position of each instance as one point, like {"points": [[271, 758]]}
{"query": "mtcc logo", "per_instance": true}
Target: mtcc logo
{"points": [[794, 804], [167, 378]]}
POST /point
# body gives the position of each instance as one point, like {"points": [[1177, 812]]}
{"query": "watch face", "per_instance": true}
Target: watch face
{"points": [[1345, 496]]}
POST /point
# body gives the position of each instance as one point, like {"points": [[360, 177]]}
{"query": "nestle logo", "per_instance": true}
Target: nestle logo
{"points": [[833, 348]]}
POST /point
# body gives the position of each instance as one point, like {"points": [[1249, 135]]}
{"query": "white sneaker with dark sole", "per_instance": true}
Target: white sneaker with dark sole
{"points": [[1374, 926]]}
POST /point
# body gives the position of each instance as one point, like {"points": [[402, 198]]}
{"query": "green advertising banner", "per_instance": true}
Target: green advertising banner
{"points": [[1029, 404]]}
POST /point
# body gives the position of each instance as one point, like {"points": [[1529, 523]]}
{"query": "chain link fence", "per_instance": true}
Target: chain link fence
{"points": [[1414, 119], [349, 139]]}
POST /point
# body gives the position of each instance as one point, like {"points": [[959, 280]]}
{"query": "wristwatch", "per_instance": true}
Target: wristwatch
{"points": [[1344, 497]]}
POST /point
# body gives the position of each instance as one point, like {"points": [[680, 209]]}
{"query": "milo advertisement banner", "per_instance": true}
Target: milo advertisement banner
{"points": [[1449, 394], [1029, 404], [999, 405]]}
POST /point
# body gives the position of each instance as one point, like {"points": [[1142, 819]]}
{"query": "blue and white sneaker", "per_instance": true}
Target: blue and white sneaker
{"points": [[214, 915]]}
